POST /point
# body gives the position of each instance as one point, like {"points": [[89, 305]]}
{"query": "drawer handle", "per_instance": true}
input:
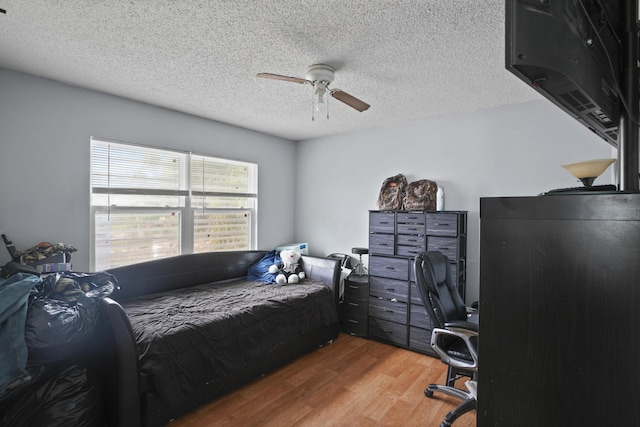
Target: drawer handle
{"points": [[389, 289], [443, 248], [384, 222], [389, 268], [352, 321], [353, 304], [387, 331], [443, 223], [353, 287], [384, 244]]}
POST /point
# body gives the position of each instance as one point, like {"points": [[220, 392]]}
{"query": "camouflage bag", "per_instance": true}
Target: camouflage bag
{"points": [[420, 196], [392, 193]]}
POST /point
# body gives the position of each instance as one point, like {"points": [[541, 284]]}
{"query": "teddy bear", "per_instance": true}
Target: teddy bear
{"points": [[289, 270]]}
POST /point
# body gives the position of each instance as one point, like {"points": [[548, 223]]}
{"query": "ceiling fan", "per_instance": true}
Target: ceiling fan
{"points": [[320, 76]]}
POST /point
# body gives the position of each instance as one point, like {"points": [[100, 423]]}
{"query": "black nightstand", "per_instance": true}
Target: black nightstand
{"points": [[355, 305]]}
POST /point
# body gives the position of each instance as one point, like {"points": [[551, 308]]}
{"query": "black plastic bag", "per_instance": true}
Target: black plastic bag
{"points": [[69, 286], [55, 329], [55, 397], [64, 314]]}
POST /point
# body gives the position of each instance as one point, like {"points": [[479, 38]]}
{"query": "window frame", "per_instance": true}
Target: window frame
{"points": [[187, 211]]}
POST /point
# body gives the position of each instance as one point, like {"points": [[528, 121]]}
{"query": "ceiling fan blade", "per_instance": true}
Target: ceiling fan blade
{"points": [[285, 78], [350, 100]]}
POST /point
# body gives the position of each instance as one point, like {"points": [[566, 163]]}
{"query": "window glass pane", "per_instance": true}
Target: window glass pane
{"points": [[123, 238], [221, 231]]}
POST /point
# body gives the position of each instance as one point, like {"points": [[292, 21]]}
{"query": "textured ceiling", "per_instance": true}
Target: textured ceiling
{"points": [[409, 59]]}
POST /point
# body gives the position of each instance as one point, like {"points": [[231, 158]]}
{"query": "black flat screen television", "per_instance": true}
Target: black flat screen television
{"points": [[568, 51]]}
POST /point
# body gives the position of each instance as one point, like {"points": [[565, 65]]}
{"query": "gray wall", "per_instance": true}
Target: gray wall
{"points": [[44, 159], [508, 151], [44, 164]]}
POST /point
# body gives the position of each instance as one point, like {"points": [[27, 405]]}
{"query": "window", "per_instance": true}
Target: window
{"points": [[149, 203]]}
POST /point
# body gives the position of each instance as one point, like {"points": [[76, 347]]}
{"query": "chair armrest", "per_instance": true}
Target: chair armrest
{"points": [[462, 325], [463, 331]]}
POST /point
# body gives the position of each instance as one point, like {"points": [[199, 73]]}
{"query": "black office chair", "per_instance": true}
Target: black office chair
{"points": [[454, 337]]}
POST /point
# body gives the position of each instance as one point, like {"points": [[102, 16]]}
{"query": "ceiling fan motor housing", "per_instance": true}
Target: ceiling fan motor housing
{"points": [[320, 73]]}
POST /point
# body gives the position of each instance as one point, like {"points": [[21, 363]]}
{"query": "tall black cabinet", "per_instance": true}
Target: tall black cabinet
{"points": [[560, 310]]}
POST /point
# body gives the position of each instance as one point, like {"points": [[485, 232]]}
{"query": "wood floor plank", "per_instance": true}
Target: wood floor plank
{"points": [[351, 382]]}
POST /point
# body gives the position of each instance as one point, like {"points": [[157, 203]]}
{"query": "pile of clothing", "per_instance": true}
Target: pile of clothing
{"points": [[41, 251]]}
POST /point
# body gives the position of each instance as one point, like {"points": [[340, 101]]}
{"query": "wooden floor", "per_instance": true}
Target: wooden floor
{"points": [[351, 382]]}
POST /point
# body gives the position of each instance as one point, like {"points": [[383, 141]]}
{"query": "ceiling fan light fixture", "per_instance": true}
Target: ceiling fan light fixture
{"points": [[320, 90], [318, 103]]}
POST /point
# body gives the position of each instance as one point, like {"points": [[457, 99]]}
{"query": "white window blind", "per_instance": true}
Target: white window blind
{"points": [[221, 184], [221, 231], [150, 203], [123, 238]]}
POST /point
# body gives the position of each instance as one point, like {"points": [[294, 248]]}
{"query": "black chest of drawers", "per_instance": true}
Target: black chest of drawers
{"points": [[355, 305], [396, 314]]}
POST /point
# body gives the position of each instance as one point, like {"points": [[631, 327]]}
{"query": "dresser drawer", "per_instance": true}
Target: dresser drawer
{"points": [[410, 245], [411, 229], [355, 307], [382, 244], [420, 339], [410, 251], [355, 325], [447, 245], [390, 289], [388, 310], [412, 240], [388, 331], [411, 218], [442, 224], [356, 288], [411, 223], [393, 268], [419, 318], [382, 222]]}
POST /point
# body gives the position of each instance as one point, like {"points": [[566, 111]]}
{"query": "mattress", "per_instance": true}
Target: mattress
{"points": [[190, 336]]}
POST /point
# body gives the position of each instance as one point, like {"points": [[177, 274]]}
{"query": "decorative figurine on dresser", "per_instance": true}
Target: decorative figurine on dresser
{"points": [[396, 314]]}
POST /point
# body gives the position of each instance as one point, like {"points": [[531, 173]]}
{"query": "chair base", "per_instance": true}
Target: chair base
{"points": [[468, 400]]}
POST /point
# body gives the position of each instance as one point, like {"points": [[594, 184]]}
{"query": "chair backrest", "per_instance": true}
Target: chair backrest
{"points": [[437, 289]]}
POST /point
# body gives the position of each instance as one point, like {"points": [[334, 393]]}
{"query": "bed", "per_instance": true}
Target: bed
{"points": [[184, 330]]}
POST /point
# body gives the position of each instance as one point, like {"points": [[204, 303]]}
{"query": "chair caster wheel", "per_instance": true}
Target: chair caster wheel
{"points": [[445, 424], [428, 392]]}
